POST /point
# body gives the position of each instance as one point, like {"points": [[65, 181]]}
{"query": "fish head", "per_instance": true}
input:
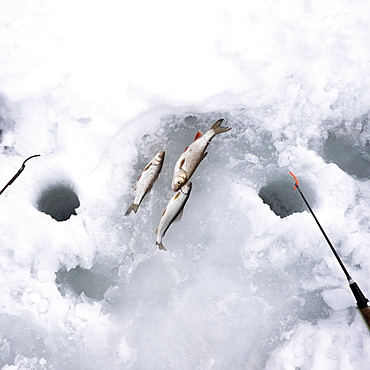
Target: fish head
{"points": [[159, 157], [186, 189], [179, 180]]}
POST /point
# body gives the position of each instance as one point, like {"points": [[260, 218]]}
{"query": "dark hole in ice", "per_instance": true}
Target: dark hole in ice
{"points": [[59, 201], [282, 198], [93, 284], [352, 159]]}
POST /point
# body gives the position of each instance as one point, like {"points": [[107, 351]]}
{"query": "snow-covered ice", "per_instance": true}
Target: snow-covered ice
{"points": [[248, 282]]}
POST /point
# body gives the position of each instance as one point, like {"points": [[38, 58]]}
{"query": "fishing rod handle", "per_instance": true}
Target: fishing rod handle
{"points": [[365, 313], [359, 296]]}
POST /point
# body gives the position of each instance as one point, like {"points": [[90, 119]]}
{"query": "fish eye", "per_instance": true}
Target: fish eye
{"points": [[178, 182]]}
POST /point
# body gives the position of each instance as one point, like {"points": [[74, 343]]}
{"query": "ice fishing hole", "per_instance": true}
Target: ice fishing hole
{"points": [[283, 199], [59, 201], [92, 284]]}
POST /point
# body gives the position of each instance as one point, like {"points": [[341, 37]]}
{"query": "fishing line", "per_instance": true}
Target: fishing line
{"points": [[361, 300], [18, 173]]}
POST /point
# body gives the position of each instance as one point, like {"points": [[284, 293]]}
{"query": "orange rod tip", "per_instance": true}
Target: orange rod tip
{"points": [[295, 178]]}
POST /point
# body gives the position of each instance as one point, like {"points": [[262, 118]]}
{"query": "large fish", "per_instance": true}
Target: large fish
{"points": [[194, 154], [173, 212], [146, 180]]}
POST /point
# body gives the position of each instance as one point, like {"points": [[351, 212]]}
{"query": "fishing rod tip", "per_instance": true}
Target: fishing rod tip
{"points": [[32, 156], [295, 178]]}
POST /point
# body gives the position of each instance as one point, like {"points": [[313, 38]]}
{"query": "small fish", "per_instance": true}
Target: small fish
{"points": [[194, 154], [172, 213], [146, 180]]}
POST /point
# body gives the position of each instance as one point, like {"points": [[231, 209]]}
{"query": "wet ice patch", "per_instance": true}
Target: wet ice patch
{"points": [[92, 284], [351, 158], [348, 145]]}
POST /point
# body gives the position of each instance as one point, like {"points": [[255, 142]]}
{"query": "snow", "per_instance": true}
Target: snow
{"points": [[248, 281]]}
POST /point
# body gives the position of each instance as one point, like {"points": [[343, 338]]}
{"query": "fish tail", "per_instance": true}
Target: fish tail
{"points": [[134, 207], [218, 129], [161, 246]]}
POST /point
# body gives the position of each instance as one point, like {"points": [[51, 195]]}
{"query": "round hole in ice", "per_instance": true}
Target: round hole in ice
{"points": [[282, 198], [59, 201]]}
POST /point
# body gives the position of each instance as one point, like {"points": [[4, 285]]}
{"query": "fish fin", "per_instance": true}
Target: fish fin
{"points": [[204, 155], [176, 195], [134, 207], [218, 129], [186, 149], [179, 216], [138, 178], [161, 246], [147, 167], [156, 231], [182, 162], [164, 212], [198, 135]]}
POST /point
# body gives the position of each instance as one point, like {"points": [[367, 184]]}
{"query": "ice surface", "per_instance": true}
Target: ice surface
{"points": [[248, 281]]}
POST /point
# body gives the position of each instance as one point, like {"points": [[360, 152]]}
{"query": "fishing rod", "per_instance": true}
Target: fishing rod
{"points": [[18, 173], [361, 300]]}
